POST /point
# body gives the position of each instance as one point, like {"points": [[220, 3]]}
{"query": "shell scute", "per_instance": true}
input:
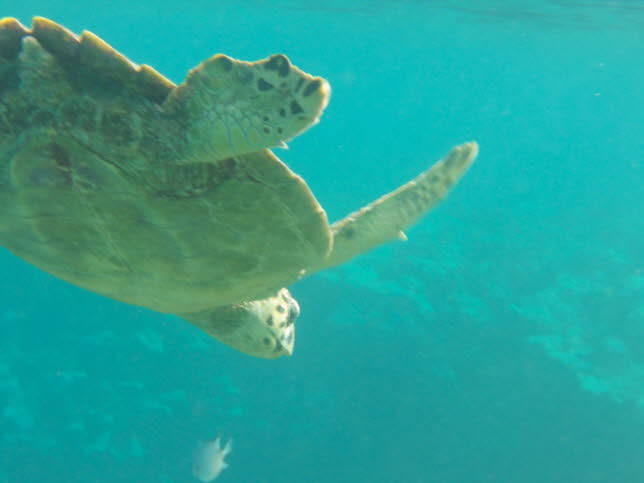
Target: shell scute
{"points": [[102, 58], [152, 84], [55, 38], [11, 34]]}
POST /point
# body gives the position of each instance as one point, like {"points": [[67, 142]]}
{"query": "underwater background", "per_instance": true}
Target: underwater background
{"points": [[504, 342]]}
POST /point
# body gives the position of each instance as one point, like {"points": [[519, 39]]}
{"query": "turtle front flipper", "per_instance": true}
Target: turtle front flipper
{"points": [[227, 107], [386, 218]]}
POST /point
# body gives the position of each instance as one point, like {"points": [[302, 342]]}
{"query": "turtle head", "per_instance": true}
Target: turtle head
{"points": [[227, 107], [261, 328]]}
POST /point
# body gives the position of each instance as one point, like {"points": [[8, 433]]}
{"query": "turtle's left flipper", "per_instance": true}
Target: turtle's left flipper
{"points": [[386, 218]]}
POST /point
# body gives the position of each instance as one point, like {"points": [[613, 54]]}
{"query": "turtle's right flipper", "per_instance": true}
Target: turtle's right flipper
{"points": [[386, 218]]}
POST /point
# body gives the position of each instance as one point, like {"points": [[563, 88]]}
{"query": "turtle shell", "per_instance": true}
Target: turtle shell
{"points": [[91, 190]]}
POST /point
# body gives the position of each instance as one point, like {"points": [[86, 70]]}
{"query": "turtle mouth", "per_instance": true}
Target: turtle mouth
{"points": [[286, 341], [293, 311], [321, 91], [285, 335]]}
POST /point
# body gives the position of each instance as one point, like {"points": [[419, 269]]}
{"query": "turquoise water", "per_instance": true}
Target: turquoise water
{"points": [[502, 343]]}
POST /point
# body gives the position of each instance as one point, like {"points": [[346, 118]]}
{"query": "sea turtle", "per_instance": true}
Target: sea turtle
{"points": [[119, 181]]}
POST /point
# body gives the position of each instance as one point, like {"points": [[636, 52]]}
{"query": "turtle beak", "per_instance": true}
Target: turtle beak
{"points": [[286, 342], [286, 339]]}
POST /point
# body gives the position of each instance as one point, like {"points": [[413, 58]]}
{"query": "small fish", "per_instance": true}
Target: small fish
{"points": [[209, 459]]}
